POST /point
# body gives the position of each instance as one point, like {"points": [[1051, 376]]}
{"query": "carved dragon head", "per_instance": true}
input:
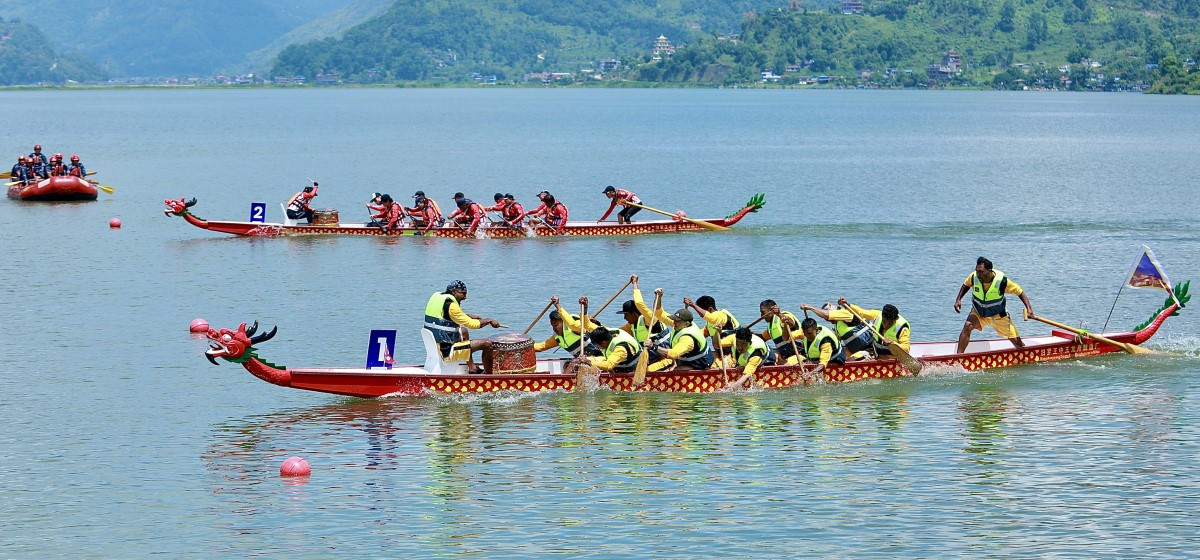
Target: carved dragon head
{"points": [[178, 207], [235, 346]]}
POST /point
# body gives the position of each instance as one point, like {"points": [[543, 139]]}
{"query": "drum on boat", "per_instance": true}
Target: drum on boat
{"points": [[325, 217], [513, 353]]}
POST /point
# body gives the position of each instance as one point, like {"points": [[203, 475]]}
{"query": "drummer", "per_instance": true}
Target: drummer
{"points": [[566, 330], [299, 205], [445, 319]]}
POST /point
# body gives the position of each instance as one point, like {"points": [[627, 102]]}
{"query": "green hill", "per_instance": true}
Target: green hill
{"points": [[26, 57]]}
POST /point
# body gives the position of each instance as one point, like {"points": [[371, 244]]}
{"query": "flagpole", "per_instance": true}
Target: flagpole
{"points": [[1114, 306]]}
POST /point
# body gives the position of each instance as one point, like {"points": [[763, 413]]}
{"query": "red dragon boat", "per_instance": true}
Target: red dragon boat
{"points": [[439, 377], [55, 188], [493, 230]]}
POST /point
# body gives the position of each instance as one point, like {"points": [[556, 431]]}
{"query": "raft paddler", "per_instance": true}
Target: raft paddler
{"points": [[298, 207], [821, 345], [892, 327], [621, 197], [551, 212], [57, 168], [689, 347], [76, 169], [445, 319], [779, 325], [637, 316], [469, 213], [618, 350], [567, 330], [38, 155], [16, 168], [988, 288], [748, 352], [855, 334]]}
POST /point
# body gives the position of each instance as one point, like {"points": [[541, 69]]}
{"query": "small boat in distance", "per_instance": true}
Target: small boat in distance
{"points": [[492, 230]]}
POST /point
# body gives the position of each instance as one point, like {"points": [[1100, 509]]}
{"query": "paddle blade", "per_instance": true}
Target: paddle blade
{"points": [[905, 359], [643, 365], [106, 188]]}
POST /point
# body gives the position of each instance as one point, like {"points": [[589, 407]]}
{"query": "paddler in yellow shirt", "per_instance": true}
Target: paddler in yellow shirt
{"points": [[748, 352], [567, 329], [855, 334], [445, 319], [892, 327], [988, 288], [637, 316], [779, 325], [821, 345], [618, 350], [689, 347]]}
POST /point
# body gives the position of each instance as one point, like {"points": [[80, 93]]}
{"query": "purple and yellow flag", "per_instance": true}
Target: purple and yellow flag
{"points": [[1146, 273]]}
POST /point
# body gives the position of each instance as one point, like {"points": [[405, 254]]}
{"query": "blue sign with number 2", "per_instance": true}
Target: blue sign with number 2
{"points": [[258, 212]]}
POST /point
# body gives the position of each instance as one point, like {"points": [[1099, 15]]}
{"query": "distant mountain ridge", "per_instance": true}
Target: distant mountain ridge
{"points": [[26, 57]]}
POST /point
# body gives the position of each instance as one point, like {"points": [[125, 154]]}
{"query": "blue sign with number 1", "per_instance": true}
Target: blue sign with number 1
{"points": [[380, 348], [258, 212]]}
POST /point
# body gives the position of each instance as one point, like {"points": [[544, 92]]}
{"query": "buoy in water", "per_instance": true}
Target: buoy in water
{"points": [[295, 466], [114, 223], [198, 325]]}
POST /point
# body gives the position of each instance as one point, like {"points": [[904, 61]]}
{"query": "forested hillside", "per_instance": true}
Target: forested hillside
{"points": [[26, 57], [451, 39]]}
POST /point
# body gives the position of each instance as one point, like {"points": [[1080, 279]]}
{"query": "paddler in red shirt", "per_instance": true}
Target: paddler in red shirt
{"points": [[390, 212], [468, 212], [298, 206], [510, 211], [622, 197], [424, 213], [551, 212]]}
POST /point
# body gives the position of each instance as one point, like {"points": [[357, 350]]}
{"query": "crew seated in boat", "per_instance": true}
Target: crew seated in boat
{"points": [[445, 319], [76, 168], [748, 352], [375, 204], [424, 213], [38, 155], [637, 316], [298, 207], [619, 352], [510, 210], [855, 334], [891, 326], [622, 197], [821, 345], [551, 212], [16, 168], [567, 330], [720, 322], [988, 288], [390, 213], [782, 328], [57, 168], [32, 172], [689, 348], [469, 212]]}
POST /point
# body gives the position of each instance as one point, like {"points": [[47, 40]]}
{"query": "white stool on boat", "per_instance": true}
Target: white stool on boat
{"points": [[433, 357], [286, 220]]}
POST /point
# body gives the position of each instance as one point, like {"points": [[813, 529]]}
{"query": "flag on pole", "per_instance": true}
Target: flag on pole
{"points": [[1147, 273]]}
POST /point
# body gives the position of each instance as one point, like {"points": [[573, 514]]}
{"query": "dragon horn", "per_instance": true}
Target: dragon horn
{"points": [[253, 328], [190, 203], [211, 359], [265, 336]]}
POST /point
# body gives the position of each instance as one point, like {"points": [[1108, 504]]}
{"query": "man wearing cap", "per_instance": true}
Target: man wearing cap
{"points": [[390, 213], [782, 328], [567, 329], [551, 212], [298, 207], [637, 316], [510, 211], [821, 345], [424, 213], [445, 319], [619, 352], [689, 348], [855, 334], [622, 197], [468, 212]]}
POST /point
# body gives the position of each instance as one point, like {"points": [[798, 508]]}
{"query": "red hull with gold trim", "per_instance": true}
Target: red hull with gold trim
{"points": [[416, 381]]}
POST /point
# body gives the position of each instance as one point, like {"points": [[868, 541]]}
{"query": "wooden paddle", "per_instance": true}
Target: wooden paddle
{"points": [[643, 365], [539, 318], [1131, 348], [580, 370], [701, 223], [898, 352], [614, 296]]}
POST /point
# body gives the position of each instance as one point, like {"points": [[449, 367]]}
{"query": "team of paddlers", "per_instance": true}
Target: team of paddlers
{"points": [[425, 213], [675, 341], [37, 167]]}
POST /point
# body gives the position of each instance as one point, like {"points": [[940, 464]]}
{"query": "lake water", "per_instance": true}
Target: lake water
{"points": [[119, 440]]}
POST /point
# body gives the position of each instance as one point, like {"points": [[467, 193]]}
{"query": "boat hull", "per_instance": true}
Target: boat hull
{"points": [[55, 189]]}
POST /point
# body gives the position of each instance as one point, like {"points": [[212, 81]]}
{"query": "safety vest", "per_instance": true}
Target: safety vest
{"points": [[569, 339], [813, 349], [512, 211], [701, 355], [991, 302], [641, 332], [893, 333], [856, 335], [437, 319], [776, 328], [731, 324], [557, 211], [632, 349], [758, 347]]}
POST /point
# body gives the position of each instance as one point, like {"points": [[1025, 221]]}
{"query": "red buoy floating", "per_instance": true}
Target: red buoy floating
{"points": [[114, 223], [198, 326], [295, 466]]}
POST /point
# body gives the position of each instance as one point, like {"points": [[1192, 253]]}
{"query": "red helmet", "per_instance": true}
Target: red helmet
{"points": [[74, 157], [37, 147], [58, 155], [28, 159]]}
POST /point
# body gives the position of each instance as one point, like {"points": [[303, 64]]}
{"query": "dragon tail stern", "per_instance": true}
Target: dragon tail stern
{"points": [[753, 205], [1176, 301]]}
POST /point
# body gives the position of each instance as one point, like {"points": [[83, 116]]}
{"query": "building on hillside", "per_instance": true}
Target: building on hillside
{"points": [[609, 64], [852, 7], [663, 48], [330, 79], [950, 67]]}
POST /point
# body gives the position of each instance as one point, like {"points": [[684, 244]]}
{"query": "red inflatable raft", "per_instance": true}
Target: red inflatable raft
{"points": [[55, 188]]}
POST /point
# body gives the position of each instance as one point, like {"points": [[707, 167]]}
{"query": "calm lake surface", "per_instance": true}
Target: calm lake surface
{"points": [[117, 438]]}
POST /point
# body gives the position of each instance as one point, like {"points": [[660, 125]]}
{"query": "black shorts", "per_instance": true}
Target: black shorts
{"points": [[628, 212]]}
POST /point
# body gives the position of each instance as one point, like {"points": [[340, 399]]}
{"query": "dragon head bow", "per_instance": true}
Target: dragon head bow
{"points": [[178, 207], [235, 346]]}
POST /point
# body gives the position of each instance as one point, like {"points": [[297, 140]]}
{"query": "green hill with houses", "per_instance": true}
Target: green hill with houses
{"points": [[26, 57]]}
